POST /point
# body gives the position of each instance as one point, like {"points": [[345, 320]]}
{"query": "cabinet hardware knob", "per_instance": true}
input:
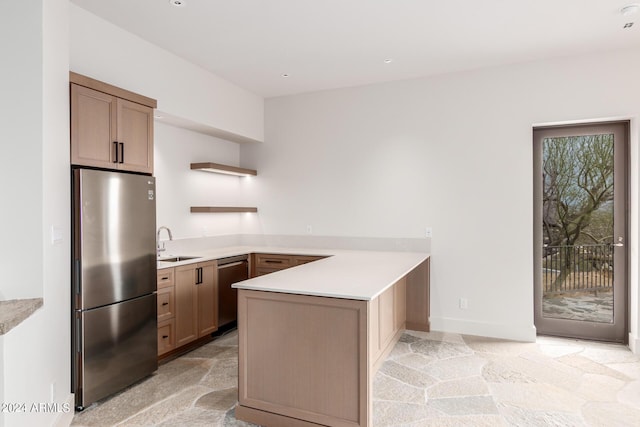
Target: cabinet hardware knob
{"points": [[164, 337], [165, 303]]}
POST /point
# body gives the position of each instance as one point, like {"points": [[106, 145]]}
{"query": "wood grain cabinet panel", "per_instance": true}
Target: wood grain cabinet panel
{"points": [[166, 303], [196, 301], [166, 336], [186, 305], [208, 298], [166, 311], [277, 262], [108, 130], [327, 350], [304, 259], [93, 127], [418, 298], [262, 264], [135, 133]]}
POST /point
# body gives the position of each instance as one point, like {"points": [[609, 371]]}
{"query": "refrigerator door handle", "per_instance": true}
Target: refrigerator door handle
{"points": [[78, 335], [78, 277]]}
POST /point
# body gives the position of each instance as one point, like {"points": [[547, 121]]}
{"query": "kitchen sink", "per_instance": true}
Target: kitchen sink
{"points": [[177, 258]]}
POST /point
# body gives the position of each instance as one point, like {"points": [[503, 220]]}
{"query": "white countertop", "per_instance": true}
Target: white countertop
{"points": [[361, 275]]}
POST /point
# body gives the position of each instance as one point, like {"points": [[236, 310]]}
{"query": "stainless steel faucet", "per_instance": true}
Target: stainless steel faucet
{"points": [[162, 248]]}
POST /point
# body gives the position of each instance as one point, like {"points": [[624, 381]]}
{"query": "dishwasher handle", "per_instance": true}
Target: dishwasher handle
{"points": [[233, 264]]}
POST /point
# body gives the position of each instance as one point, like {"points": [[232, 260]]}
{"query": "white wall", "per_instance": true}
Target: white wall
{"points": [[105, 52], [453, 152], [21, 135], [179, 188], [36, 354]]}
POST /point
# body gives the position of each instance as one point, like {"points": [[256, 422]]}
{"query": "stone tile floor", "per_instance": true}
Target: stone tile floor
{"points": [[429, 379]]}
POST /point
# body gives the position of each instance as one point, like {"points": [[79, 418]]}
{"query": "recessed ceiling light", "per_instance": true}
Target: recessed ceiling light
{"points": [[388, 61], [630, 9], [177, 3], [285, 75]]}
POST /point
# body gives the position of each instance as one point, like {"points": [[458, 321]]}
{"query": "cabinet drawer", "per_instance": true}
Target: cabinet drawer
{"points": [[261, 271], [166, 336], [166, 303], [275, 262], [165, 278], [303, 259]]}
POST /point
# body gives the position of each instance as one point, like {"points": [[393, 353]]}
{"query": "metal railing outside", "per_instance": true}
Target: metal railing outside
{"points": [[577, 268]]}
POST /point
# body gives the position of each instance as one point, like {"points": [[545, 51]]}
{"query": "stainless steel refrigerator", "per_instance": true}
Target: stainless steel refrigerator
{"points": [[114, 323]]}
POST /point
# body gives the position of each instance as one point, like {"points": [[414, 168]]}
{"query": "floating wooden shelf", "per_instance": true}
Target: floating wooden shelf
{"points": [[223, 169], [221, 209]]}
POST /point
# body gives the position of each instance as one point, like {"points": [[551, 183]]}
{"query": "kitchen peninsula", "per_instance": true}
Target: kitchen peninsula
{"points": [[311, 338]]}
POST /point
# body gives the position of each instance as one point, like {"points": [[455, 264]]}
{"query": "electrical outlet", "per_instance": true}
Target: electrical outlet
{"points": [[464, 303], [309, 229], [428, 232]]}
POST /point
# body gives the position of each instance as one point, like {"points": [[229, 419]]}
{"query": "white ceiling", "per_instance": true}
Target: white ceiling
{"points": [[324, 44]]}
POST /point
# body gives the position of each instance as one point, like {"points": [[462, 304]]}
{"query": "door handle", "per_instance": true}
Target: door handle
{"points": [[620, 242]]}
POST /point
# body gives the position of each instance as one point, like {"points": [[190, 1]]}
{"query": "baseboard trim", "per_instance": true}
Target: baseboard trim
{"points": [[634, 343], [526, 333], [64, 418]]}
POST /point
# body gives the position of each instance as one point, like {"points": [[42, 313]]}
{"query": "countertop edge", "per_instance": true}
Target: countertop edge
{"points": [[361, 291], [13, 312]]}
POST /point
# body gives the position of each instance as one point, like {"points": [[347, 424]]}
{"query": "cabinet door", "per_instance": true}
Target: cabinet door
{"points": [[135, 134], [93, 128], [186, 308], [166, 303], [208, 298]]}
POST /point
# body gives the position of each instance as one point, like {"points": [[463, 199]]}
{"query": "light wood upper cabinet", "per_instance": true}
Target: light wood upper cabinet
{"points": [[110, 127], [135, 134], [93, 127]]}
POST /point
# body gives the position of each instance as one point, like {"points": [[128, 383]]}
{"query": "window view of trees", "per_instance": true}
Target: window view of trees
{"points": [[577, 210]]}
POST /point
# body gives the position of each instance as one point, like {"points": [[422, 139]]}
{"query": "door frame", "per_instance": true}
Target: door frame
{"points": [[577, 328]]}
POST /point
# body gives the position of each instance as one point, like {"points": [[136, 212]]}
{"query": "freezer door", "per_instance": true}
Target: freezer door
{"points": [[114, 237], [116, 346]]}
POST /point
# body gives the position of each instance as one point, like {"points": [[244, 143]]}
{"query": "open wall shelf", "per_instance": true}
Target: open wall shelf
{"points": [[223, 169], [221, 209]]}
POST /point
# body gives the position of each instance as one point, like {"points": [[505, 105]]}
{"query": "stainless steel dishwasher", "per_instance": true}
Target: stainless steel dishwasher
{"points": [[230, 270]]}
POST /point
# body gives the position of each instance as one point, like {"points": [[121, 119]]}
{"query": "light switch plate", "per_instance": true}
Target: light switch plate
{"points": [[56, 235]]}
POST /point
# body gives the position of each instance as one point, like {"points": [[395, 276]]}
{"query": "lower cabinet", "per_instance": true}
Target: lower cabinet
{"points": [[196, 295], [268, 263], [166, 336], [166, 311]]}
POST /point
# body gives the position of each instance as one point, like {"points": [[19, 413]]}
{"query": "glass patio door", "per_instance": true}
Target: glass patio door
{"points": [[580, 231]]}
